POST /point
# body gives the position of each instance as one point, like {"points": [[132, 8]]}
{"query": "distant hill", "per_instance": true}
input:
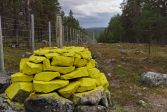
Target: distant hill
{"points": [[96, 30]]}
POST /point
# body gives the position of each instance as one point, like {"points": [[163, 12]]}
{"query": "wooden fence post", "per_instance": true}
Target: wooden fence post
{"points": [[59, 31], [2, 66]]}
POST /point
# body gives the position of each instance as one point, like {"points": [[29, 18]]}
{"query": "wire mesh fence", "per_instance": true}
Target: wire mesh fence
{"points": [[24, 35]]}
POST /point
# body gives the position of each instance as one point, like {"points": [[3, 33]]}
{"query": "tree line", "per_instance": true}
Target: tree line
{"points": [[141, 21]]}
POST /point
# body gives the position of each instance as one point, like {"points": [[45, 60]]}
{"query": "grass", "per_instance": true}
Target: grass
{"points": [[123, 64]]}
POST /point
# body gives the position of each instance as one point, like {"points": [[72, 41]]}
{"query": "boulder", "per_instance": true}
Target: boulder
{"points": [[88, 108], [79, 72], [62, 61], [69, 54], [94, 73], [36, 59], [106, 99], [86, 84], [62, 70], [91, 64], [21, 77], [69, 89], [51, 55], [86, 54], [154, 79], [51, 102], [32, 68], [46, 65], [22, 63], [19, 91], [46, 76], [42, 52], [89, 98], [103, 80], [46, 87], [80, 62]]}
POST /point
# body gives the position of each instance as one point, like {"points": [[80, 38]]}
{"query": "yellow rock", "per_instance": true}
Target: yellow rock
{"points": [[21, 77], [69, 54], [46, 87], [36, 59], [87, 84], [103, 80], [46, 64], [51, 55], [46, 76], [94, 73], [69, 89], [41, 52], [77, 55], [60, 50], [19, 91], [79, 72], [86, 54], [63, 61], [80, 62], [91, 64], [62, 70], [22, 63], [31, 68], [77, 49]]}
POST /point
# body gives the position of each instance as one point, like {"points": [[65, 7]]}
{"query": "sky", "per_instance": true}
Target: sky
{"points": [[92, 13]]}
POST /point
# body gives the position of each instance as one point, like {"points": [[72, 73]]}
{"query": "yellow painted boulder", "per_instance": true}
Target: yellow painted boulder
{"points": [[86, 54], [46, 65], [21, 77], [51, 55], [36, 59], [91, 64], [77, 55], [42, 52], [62, 61], [78, 73], [62, 70], [22, 63], [32, 68], [69, 54], [103, 80], [94, 73], [87, 84], [46, 87], [69, 89], [80, 62], [46, 76], [19, 91]]}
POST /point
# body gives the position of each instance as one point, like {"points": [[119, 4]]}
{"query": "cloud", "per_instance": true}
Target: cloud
{"points": [[92, 13]]}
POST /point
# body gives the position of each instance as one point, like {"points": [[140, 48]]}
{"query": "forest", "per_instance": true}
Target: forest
{"points": [[141, 21]]}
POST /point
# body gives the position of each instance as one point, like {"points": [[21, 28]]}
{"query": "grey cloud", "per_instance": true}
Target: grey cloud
{"points": [[92, 13]]}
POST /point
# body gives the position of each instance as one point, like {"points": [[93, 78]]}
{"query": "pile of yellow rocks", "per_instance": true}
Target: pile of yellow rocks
{"points": [[67, 71]]}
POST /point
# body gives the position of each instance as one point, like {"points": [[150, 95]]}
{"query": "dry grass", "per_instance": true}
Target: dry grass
{"points": [[126, 63]]}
